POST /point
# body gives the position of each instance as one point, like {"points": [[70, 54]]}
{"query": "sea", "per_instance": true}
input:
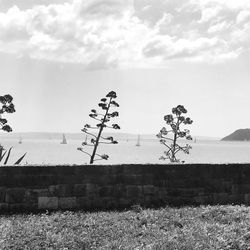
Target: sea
{"points": [[48, 151]]}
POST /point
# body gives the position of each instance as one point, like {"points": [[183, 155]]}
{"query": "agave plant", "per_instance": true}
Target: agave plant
{"points": [[6, 106], [175, 120], [5, 155], [103, 119]]}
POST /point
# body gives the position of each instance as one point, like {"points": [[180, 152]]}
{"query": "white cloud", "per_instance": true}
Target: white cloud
{"points": [[163, 24], [110, 33], [243, 16], [209, 13], [219, 27], [168, 48], [230, 4], [13, 25]]}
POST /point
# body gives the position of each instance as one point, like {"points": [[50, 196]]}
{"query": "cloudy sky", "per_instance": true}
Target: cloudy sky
{"points": [[59, 57]]}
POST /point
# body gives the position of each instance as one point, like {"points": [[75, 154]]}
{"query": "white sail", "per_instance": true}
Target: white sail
{"points": [[64, 141], [138, 141]]}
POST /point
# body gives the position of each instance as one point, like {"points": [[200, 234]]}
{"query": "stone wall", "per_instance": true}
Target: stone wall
{"points": [[120, 186]]}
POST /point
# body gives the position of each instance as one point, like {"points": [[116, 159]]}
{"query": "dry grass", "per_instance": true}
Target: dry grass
{"points": [[206, 227]]}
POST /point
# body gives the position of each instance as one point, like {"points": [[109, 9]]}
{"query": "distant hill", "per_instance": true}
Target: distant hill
{"points": [[238, 135]]}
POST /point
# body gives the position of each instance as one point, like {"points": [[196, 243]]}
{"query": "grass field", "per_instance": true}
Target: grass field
{"points": [[205, 227]]}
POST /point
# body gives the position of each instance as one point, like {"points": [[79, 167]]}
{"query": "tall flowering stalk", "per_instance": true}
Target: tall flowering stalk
{"points": [[103, 122], [6, 107], [175, 120]]}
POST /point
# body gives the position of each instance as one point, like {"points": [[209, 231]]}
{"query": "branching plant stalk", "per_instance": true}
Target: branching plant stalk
{"points": [[175, 120], [95, 139], [99, 134]]}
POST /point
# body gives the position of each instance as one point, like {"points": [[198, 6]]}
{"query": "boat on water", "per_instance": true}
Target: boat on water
{"points": [[20, 140], [138, 141], [64, 141]]}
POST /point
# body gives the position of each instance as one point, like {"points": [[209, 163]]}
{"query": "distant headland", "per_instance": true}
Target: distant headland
{"points": [[238, 135]]}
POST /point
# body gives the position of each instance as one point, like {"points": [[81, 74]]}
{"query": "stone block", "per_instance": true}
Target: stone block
{"points": [[148, 179], [147, 200], [83, 202], [16, 207], [30, 196], [80, 189], [46, 180], [133, 179], [106, 191], [67, 202], [68, 179], [4, 207], [2, 194], [236, 198], [221, 198], [124, 203], [89, 203], [119, 191], [53, 190], [102, 179], [179, 201], [226, 186], [91, 188], [189, 192], [15, 195], [100, 203], [244, 189], [200, 200], [110, 204], [41, 192], [235, 189], [134, 191], [148, 189], [47, 202], [66, 190], [174, 192], [162, 192], [247, 199]]}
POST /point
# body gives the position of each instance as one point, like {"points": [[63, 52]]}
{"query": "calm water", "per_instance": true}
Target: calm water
{"points": [[52, 152]]}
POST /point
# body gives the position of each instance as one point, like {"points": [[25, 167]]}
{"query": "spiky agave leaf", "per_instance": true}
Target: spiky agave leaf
{"points": [[7, 157], [1, 153], [19, 160], [3, 156]]}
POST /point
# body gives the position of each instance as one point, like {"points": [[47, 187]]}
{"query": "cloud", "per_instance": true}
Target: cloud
{"points": [[102, 8], [117, 33], [13, 25], [209, 13], [243, 16], [219, 27], [168, 48], [27, 4]]}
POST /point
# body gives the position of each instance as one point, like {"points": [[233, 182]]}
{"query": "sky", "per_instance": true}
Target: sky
{"points": [[58, 58]]}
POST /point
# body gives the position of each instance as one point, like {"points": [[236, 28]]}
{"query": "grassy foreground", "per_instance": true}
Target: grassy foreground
{"points": [[206, 227]]}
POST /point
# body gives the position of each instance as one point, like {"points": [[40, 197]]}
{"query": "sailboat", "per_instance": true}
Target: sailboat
{"points": [[138, 141], [20, 140], [64, 141]]}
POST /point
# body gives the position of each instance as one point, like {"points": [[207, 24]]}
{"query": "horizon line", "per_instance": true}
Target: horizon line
{"points": [[116, 132]]}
